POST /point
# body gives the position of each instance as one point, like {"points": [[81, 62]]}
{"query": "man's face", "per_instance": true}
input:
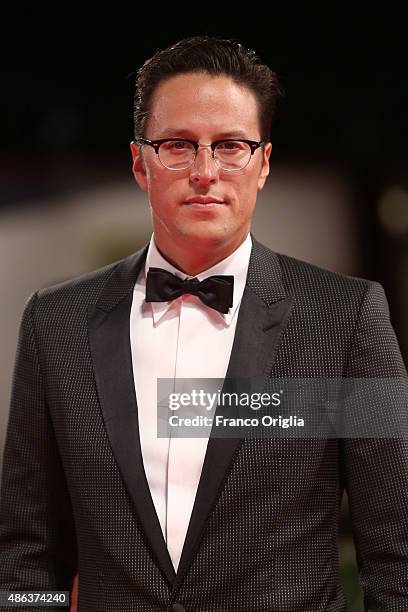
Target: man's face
{"points": [[202, 108]]}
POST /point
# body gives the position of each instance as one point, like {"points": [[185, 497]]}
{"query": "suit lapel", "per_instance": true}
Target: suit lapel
{"points": [[109, 337], [263, 314]]}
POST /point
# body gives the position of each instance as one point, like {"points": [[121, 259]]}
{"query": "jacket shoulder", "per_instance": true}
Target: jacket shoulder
{"points": [[299, 275], [87, 288]]}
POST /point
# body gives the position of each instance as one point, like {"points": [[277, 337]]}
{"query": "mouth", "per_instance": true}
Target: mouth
{"points": [[203, 202]]}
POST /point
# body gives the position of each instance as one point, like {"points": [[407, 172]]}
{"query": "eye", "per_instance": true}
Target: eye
{"points": [[176, 145], [180, 144], [230, 145]]}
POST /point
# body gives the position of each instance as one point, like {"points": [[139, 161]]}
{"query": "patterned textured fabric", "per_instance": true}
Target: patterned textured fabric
{"points": [[263, 533]]}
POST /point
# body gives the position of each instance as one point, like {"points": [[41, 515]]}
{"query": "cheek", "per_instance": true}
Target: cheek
{"points": [[158, 186], [160, 179], [246, 195], [155, 176], [163, 195]]}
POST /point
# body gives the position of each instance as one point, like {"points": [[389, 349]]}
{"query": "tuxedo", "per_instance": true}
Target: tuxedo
{"points": [[263, 530]]}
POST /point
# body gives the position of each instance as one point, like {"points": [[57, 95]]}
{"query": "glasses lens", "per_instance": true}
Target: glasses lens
{"points": [[232, 154], [176, 154]]}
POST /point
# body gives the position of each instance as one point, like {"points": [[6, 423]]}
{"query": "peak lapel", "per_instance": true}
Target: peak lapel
{"points": [[109, 337], [263, 315]]}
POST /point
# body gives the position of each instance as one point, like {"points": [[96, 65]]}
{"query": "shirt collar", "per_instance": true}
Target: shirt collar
{"points": [[236, 264]]}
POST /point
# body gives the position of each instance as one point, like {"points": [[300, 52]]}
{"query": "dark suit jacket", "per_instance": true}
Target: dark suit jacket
{"points": [[263, 531]]}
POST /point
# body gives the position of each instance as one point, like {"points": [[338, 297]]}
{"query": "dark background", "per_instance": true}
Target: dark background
{"points": [[67, 84]]}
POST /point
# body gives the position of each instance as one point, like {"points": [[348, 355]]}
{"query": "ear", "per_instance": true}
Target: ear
{"points": [[138, 166], [263, 175]]}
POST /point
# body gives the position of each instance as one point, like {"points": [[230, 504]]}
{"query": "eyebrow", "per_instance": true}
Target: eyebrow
{"points": [[170, 132]]}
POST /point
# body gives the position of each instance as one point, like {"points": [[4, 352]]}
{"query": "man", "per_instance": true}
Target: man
{"points": [[239, 524]]}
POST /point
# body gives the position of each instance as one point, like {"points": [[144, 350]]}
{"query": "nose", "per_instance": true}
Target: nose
{"points": [[204, 169]]}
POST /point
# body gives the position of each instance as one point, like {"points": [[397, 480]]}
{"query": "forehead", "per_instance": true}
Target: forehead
{"points": [[202, 103]]}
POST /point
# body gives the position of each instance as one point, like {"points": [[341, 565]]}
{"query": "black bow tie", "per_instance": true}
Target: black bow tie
{"points": [[214, 291]]}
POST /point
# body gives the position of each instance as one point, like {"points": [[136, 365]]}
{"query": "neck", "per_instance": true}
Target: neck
{"points": [[196, 260]]}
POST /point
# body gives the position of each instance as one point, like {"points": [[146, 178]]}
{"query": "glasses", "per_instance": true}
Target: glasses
{"points": [[180, 153]]}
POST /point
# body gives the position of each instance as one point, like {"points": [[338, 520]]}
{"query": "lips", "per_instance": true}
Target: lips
{"points": [[203, 200]]}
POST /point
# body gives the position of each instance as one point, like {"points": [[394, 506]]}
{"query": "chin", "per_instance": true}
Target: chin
{"points": [[206, 236]]}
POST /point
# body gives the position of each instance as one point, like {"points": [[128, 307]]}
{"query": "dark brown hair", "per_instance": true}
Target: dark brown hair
{"points": [[214, 56]]}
